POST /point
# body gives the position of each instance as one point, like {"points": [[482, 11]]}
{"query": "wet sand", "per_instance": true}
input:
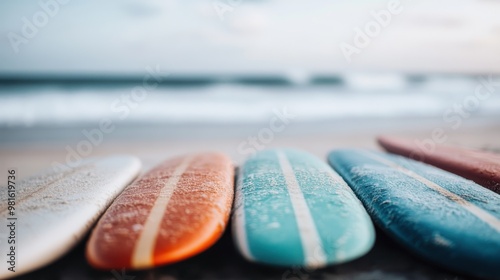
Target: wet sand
{"points": [[33, 149]]}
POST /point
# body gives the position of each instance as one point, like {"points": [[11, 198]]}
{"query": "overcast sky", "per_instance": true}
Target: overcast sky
{"points": [[189, 37]]}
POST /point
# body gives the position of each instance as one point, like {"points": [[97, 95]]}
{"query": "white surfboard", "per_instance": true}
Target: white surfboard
{"points": [[54, 210]]}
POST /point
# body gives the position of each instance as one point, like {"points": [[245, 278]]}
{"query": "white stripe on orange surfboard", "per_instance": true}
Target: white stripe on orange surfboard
{"points": [[239, 219], [481, 214], [314, 255], [142, 255]]}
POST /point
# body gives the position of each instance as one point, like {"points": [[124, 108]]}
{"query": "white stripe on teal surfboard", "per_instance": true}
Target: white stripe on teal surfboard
{"points": [[314, 255], [239, 220], [481, 214], [142, 255]]}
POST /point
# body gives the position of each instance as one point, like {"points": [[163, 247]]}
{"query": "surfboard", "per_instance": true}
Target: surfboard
{"points": [[441, 217], [175, 211], [55, 209], [292, 209], [480, 167]]}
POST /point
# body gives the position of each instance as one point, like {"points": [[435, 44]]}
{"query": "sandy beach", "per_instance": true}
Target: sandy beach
{"points": [[31, 150]]}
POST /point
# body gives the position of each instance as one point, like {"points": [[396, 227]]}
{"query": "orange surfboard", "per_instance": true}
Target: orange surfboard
{"points": [[175, 211], [480, 167]]}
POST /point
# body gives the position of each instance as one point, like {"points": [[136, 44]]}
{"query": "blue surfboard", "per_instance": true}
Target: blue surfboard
{"points": [[292, 209], [444, 218]]}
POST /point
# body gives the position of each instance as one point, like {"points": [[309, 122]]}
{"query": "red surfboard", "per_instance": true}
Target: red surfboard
{"points": [[481, 167], [175, 211]]}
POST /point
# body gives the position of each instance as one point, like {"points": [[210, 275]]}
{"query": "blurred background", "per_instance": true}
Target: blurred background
{"points": [[159, 78]]}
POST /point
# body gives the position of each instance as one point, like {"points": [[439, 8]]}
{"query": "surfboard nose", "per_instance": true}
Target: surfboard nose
{"points": [[293, 209], [439, 216], [176, 210]]}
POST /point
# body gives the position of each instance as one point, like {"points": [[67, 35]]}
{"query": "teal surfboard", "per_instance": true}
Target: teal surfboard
{"points": [[444, 218], [292, 209]]}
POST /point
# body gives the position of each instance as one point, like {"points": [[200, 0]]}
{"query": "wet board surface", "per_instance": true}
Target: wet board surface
{"points": [[481, 167], [55, 210], [386, 260], [293, 209], [444, 218], [175, 211]]}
